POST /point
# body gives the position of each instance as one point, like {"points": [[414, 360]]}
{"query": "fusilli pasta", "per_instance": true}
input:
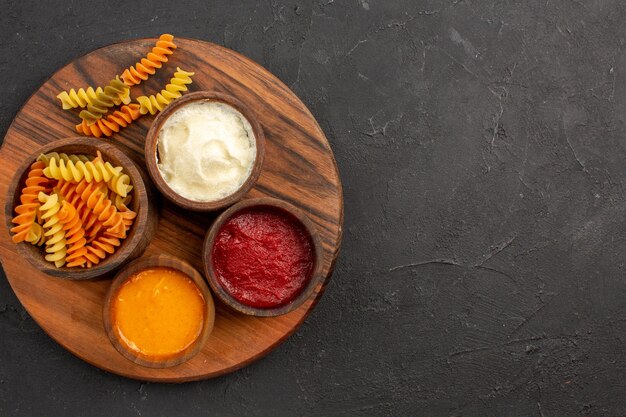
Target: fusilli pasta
{"points": [[112, 123], [55, 243], [45, 158], [95, 170], [26, 212], [148, 65], [100, 247], [101, 206], [112, 94], [77, 205], [36, 234], [82, 98], [155, 103], [74, 235]]}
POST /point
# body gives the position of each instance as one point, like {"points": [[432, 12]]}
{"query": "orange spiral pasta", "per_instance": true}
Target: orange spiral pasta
{"points": [[74, 235], [36, 182], [101, 206], [153, 61], [89, 220], [112, 123], [100, 248]]}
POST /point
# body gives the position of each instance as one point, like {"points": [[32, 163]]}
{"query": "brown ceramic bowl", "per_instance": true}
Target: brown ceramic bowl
{"points": [[209, 313], [316, 273], [151, 150], [138, 236]]}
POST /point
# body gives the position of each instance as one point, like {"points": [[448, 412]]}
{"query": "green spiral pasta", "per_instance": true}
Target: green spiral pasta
{"points": [[155, 103], [45, 158], [56, 245], [112, 93]]}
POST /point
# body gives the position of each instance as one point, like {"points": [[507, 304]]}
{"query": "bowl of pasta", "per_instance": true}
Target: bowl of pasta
{"points": [[79, 208]]}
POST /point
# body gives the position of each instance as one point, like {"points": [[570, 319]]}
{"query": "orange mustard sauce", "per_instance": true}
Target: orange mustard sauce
{"points": [[158, 312]]}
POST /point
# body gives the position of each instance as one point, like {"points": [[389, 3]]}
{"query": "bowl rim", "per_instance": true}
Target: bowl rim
{"points": [[165, 261], [130, 247], [151, 149], [315, 279]]}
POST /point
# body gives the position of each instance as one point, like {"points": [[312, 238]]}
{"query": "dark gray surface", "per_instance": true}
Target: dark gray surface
{"points": [[481, 147]]}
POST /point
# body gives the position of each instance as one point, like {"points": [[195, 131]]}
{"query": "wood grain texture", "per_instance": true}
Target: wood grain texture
{"points": [[299, 167], [155, 261]]}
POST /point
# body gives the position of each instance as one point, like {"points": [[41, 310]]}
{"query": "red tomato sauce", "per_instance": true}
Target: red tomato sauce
{"points": [[263, 257]]}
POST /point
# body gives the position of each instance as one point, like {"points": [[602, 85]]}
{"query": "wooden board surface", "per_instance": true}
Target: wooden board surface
{"points": [[299, 167]]}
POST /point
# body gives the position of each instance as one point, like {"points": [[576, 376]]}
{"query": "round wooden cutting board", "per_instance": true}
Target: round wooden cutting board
{"points": [[299, 167]]}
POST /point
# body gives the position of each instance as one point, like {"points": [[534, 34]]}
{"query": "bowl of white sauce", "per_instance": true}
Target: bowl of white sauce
{"points": [[205, 150]]}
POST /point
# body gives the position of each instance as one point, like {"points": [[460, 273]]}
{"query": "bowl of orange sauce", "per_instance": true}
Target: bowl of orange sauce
{"points": [[159, 311]]}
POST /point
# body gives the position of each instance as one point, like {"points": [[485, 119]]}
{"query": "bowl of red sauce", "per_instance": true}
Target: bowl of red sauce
{"points": [[263, 257]]}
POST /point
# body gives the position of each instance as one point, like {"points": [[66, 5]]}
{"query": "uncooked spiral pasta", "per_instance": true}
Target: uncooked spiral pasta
{"points": [[155, 103], [75, 204], [78, 167], [148, 65], [72, 99], [89, 220], [55, 243], [119, 201], [112, 94], [101, 247], [36, 235], [99, 203], [26, 212], [96, 170], [112, 123], [74, 235], [121, 185], [45, 158], [78, 98]]}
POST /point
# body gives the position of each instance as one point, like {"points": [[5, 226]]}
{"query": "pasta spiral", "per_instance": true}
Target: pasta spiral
{"points": [[82, 98], [120, 185], [45, 158], [112, 94], [119, 201], [74, 235], [78, 98], [26, 212], [100, 247], [155, 103], [55, 243], [89, 220], [36, 235], [101, 206], [76, 167], [95, 170], [112, 123], [148, 65]]}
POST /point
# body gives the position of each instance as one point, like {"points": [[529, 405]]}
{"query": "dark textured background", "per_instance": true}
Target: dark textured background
{"points": [[482, 151]]}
